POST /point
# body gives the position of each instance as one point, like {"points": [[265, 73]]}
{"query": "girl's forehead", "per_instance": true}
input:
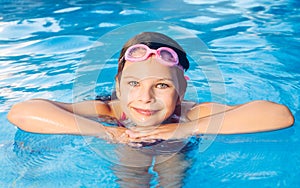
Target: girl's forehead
{"points": [[149, 69]]}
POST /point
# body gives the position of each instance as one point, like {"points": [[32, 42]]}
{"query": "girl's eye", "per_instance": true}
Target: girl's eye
{"points": [[162, 86], [133, 83]]}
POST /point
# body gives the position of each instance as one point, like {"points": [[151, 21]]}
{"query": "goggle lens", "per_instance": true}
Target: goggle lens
{"points": [[167, 56], [137, 52], [141, 52]]}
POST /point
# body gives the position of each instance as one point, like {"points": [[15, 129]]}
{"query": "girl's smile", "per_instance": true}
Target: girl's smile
{"points": [[144, 112]]}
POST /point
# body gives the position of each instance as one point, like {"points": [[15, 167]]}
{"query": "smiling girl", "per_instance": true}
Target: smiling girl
{"points": [[150, 85]]}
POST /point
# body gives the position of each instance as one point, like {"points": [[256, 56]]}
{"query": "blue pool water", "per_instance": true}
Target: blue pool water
{"points": [[256, 45]]}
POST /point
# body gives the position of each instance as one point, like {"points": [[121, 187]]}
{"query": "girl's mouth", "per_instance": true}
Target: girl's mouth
{"points": [[144, 112]]}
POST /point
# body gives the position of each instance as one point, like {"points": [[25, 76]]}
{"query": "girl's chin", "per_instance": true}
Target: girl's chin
{"points": [[146, 122]]}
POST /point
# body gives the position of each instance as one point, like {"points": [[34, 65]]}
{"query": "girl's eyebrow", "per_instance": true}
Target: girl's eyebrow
{"points": [[130, 77], [168, 79], [135, 78]]}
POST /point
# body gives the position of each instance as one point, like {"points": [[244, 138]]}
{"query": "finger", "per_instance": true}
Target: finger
{"points": [[151, 137], [108, 136], [148, 140], [134, 134], [135, 144], [129, 139], [159, 136]]}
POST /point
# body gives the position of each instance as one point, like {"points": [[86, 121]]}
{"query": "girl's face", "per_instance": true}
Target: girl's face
{"points": [[149, 91]]}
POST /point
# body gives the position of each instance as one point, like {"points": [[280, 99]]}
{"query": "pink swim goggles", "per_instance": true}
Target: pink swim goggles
{"points": [[164, 55]]}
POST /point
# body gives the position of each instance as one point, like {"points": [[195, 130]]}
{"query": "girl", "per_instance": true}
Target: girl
{"points": [[150, 85]]}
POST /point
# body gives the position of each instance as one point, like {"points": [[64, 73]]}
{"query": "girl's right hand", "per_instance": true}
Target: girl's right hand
{"points": [[118, 135]]}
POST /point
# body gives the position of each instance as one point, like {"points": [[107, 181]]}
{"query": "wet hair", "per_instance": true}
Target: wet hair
{"points": [[153, 40]]}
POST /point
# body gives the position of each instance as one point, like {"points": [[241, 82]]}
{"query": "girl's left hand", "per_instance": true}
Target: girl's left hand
{"points": [[118, 135], [165, 132]]}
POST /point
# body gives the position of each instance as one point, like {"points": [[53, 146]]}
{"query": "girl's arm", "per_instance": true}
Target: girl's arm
{"points": [[256, 116], [90, 108], [49, 117], [44, 116]]}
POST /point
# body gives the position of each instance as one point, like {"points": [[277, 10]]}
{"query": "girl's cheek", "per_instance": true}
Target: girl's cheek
{"points": [[130, 95], [125, 91], [166, 94]]}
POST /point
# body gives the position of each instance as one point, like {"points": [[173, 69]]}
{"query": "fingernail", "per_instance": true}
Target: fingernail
{"points": [[130, 134]]}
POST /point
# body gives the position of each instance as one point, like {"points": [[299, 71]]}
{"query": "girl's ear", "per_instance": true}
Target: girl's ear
{"points": [[182, 89], [179, 99], [118, 94]]}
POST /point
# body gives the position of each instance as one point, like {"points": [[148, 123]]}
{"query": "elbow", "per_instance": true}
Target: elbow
{"points": [[19, 113], [287, 117], [281, 114], [15, 114], [284, 116]]}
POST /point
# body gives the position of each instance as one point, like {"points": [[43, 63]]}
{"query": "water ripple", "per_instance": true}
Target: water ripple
{"points": [[200, 20], [50, 46], [34, 157], [246, 166], [24, 29], [67, 10]]}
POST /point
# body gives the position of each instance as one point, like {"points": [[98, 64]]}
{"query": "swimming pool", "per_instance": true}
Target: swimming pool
{"points": [[256, 46]]}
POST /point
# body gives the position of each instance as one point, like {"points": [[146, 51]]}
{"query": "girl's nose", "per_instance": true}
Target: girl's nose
{"points": [[146, 95]]}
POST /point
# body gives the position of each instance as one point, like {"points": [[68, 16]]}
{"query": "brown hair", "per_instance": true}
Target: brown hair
{"points": [[153, 40]]}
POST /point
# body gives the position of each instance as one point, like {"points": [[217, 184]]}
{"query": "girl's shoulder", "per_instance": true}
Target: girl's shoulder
{"points": [[191, 105], [115, 108], [201, 110], [188, 105]]}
